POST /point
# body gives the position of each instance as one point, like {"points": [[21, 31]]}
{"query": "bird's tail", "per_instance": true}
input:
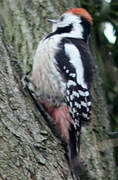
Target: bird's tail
{"points": [[74, 146], [65, 127]]}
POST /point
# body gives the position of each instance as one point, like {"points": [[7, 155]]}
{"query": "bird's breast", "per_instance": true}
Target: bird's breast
{"points": [[47, 80]]}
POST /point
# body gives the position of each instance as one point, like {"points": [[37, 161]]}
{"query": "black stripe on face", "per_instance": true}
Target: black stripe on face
{"points": [[61, 30]]}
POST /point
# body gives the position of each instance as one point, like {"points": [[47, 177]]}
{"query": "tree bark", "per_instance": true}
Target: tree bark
{"points": [[28, 147]]}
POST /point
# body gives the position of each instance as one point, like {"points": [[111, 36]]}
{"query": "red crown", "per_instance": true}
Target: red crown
{"points": [[81, 12]]}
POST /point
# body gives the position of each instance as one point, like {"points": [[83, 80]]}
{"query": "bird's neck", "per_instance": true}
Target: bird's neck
{"points": [[74, 33], [79, 33]]}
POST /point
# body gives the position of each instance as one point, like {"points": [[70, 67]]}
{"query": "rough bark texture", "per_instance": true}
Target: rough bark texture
{"points": [[28, 148]]}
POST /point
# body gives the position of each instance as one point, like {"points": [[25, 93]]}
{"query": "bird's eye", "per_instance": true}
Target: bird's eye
{"points": [[62, 18]]}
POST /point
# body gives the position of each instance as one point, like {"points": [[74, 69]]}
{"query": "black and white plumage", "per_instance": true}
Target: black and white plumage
{"points": [[62, 75], [72, 59]]}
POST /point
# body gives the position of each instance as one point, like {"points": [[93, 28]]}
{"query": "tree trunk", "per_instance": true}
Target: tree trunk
{"points": [[28, 147]]}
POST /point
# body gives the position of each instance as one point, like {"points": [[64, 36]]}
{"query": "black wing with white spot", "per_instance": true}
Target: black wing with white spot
{"points": [[63, 64], [78, 99], [71, 60]]}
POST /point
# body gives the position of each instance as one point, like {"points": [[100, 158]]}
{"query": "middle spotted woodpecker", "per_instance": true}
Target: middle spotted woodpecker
{"points": [[62, 75]]}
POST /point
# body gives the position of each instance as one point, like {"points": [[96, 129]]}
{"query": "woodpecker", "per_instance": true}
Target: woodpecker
{"points": [[62, 76]]}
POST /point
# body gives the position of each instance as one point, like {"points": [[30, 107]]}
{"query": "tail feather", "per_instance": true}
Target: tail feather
{"points": [[72, 142], [74, 146]]}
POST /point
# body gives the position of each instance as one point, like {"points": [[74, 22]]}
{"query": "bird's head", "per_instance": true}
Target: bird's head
{"points": [[74, 23]]}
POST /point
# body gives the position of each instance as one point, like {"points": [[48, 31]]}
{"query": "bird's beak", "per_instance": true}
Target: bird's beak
{"points": [[52, 20]]}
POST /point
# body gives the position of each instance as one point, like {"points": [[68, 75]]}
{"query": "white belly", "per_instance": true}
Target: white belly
{"points": [[49, 84]]}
